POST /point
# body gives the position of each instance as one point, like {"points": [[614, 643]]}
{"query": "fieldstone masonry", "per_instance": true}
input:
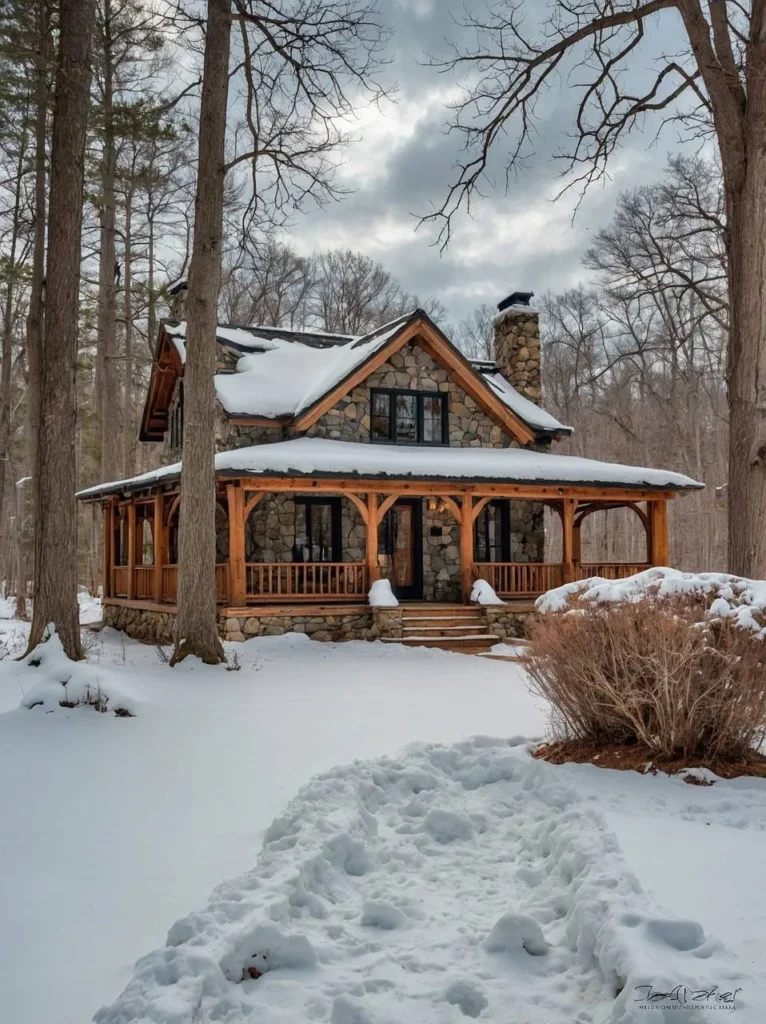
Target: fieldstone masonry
{"points": [[517, 350]]}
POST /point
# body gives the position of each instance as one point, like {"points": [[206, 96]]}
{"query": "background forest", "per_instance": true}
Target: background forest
{"points": [[634, 358]]}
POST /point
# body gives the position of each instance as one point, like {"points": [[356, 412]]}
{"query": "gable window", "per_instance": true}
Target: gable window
{"points": [[409, 417], [317, 530]]}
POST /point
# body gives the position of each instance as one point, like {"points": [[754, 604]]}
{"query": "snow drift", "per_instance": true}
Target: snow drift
{"points": [[55, 681], [455, 881]]}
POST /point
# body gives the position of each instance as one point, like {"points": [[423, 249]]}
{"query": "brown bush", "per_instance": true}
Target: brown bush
{"points": [[654, 673]]}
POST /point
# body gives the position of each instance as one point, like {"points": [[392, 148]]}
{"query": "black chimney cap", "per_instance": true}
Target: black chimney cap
{"points": [[515, 299]]}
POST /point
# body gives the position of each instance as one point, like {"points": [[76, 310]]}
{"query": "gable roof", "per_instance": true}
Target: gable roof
{"points": [[281, 375]]}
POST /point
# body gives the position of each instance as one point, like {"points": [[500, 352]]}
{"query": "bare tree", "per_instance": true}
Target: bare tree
{"points": [[714, 86], [55, 589], [196, 623], [474, 334]]}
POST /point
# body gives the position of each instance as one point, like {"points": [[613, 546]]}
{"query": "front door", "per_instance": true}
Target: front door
{"points": [[401, 543]]}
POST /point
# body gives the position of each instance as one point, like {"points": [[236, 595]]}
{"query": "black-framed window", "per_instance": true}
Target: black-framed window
{"points": [[409, 417], [317, 530], [492, 532], [177, 419]]}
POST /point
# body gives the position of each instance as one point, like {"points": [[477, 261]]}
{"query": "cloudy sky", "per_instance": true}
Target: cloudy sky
{"points": [[402, 160]]}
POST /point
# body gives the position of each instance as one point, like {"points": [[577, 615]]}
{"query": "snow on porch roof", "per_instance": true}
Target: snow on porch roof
{"points": [[318, 457]]}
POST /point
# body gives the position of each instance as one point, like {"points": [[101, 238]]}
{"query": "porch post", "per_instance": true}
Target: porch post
{"points": [[568, 509], [373, 569], [466, 546], [658, 532], [235, 500], [158, 539], [108, 548], [132, 548]]}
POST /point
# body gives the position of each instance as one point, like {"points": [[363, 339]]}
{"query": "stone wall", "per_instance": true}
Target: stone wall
{"points": [[441, 556], [415, 369], [327, 625], [527, 531], [152, 627], [517, 350], [505, 623]]}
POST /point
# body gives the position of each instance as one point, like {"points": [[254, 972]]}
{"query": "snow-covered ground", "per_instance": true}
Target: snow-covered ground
{"points": [[396, 876]]}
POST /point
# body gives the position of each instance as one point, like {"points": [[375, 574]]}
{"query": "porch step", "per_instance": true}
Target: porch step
{"points": [[472, 644], [428, 629]]}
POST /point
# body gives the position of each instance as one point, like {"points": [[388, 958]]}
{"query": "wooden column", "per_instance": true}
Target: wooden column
{"points": [[373, 569], [658, 532], [158, 543], [235, 499], [132, 549], [108, 509], [577, 542], [568, 509], [466, 547]]}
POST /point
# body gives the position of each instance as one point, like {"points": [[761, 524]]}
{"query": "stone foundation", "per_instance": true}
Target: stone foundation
{"points": [[151, 626], [505, 622], [318, 625]]}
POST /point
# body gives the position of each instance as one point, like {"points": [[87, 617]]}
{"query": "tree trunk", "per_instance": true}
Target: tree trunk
{"points": [[35, 320], [55, 591], [129, 423], [196, 622], [746, 245], [107, 292]]}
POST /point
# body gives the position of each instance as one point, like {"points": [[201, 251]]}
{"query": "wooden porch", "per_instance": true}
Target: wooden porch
{"points": [[140, 541]]}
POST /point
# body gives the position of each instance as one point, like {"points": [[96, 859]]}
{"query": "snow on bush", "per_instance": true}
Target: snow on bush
{"points": [[723, 596], [482, 593], [670, 660], [360, 911], [382, 596], [56, 681]]}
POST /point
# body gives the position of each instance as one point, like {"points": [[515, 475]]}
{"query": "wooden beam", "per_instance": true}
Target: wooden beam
{"points": [[235, 499], [478, 507], [252, 501], [466, 549], [371, 556], [384, 506], [360, 503], [131, 550], [658, 533], [568, 509], [158, 538], [453, 506], [108, 514]]}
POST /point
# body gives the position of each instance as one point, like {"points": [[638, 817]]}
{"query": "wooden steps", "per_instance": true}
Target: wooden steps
{"points": [[448, 627]]}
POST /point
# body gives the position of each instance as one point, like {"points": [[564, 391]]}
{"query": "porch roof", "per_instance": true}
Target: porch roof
{"points": [[313, 457]]}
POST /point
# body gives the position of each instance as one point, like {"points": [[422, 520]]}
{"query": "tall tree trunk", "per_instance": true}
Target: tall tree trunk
{"points": [[107, 291], [746, 245], [6, 348], [196, 622], [129, 421], [35, 320], [55, 590]]}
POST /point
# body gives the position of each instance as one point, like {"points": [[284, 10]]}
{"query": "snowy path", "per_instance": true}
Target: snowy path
{"points": [[111, 829], [454, 882]]}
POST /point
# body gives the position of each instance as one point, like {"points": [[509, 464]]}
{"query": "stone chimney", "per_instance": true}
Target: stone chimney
{"points": [[517, 345], [178, 291]]}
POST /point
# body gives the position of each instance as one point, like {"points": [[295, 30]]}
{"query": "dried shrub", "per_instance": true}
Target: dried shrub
{"points": [[655, 672]]}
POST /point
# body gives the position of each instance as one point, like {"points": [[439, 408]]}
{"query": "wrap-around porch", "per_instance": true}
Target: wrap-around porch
{"points": [[291, 541]]}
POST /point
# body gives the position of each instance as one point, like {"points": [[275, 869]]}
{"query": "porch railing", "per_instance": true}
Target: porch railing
{"points": [[609, 570], [519, 579], [144, 582], [332, 581]]}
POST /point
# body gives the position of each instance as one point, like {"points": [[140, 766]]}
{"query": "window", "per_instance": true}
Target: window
{"points": [[177, 419], [317, 530], [492, 536], [409, 417]]}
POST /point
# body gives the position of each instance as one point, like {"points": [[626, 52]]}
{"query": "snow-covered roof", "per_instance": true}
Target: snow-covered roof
{"points": [[532, 414], [284, 372], [314, 456]]}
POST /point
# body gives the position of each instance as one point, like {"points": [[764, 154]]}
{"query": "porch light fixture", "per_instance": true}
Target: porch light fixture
{"points": [[436, 505]]}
